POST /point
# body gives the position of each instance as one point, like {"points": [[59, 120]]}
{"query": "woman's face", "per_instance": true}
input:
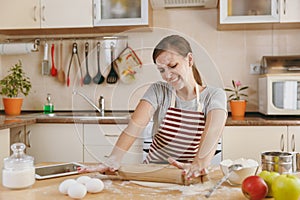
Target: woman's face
{"points": [[174, 68]]}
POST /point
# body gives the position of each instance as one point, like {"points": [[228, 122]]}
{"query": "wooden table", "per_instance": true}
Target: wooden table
{"points": [[48, 190]]}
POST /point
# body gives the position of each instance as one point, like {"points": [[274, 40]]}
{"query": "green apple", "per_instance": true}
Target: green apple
{"points": [[269, 177], [286, 186]]}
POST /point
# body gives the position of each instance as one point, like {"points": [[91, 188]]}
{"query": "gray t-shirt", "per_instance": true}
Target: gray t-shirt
{"points": [[159, 95]]}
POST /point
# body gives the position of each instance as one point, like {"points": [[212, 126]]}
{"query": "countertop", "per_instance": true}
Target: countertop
{"points": [[250, 119], [48, 189]]}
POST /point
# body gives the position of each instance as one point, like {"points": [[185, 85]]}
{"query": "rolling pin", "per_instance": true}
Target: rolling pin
{"points": [[162, 173]]}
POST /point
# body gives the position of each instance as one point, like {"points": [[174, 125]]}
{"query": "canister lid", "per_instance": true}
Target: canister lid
{"points": [[18, 160]]}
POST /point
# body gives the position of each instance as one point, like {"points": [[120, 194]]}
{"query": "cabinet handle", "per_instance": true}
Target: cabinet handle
{"points": [[20, 136], [28, 143], [284, 7], [293, 145], [34, 14], [282, 142], [111, 135], [277, 7], [43, 13]]}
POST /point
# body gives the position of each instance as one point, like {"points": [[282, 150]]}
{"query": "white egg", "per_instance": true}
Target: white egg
{"points": [[77, 191], [94, 185], [83, 179], [63, 186]]}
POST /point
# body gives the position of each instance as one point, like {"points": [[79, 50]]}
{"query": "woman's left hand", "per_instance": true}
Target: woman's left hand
{"points": [[191, 170]]}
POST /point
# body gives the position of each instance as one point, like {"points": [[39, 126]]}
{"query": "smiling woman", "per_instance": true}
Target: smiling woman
{"points": [[188, 116]]}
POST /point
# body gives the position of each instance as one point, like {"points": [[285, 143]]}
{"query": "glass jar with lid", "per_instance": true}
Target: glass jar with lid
{"points": [[18, 170]]}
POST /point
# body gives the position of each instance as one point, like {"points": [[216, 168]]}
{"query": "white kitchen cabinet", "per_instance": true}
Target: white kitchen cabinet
{"points": [[15, 14], [289, 11], [50, 142], [251, 141], [33, 14], [66, 13], [4, 147], [294, 138], [121, 12], [99, 140], [259, 11]]}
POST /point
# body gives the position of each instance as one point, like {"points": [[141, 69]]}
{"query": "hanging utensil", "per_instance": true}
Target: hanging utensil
{"points": [[74, 52], [231, 168], [98, 79], [87, 78], [53, 68], [61, 73], [128, 64], [45, 63], [112, 76]]}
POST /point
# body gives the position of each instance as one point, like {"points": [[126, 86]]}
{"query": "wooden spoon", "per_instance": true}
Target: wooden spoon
{"points": [[61, 73]]}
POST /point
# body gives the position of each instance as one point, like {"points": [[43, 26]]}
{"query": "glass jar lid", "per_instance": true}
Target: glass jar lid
{"points": [[18, 159]]}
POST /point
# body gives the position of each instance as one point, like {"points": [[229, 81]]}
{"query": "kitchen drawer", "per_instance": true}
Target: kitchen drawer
{"points": [[94, 153], [99, 134]]}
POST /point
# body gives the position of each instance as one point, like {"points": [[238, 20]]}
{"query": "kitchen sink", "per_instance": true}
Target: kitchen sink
{"points": [[90, 115]]}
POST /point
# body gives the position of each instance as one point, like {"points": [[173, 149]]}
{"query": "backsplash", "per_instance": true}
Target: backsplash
{"points": [[220, 55]]}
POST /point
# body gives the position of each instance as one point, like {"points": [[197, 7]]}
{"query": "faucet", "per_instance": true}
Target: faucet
{"points": [[100, 109]]}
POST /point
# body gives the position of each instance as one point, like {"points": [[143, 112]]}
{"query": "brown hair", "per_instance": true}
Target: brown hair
{"points": [[180, 45]]}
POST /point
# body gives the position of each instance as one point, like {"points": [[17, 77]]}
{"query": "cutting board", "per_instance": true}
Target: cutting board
{"points": [[163, 173]]}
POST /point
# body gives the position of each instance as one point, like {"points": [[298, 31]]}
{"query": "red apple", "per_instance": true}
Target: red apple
{"points": [[254, 188]]}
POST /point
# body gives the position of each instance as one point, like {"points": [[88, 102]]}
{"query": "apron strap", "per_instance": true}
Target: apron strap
{"points": [[199, 105]]}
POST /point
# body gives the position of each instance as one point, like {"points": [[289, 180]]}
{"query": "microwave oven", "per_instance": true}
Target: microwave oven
{"points": [[279, 94]]}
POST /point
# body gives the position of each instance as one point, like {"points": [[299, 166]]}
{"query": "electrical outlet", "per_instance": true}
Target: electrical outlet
{"points": [[255, 68]]}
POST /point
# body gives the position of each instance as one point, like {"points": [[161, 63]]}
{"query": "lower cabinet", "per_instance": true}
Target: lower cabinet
{"points": [[251, 141], [55, 142], [99, 140], [4, 147], [88, 143], [20, 134]]}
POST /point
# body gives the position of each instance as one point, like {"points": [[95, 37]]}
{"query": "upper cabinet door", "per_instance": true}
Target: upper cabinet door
{"points": [[16, 14], [66, 13], [249, 11], [120, 12], [290, 11]]}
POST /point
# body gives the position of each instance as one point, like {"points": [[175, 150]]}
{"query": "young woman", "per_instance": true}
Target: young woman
{"points": [[188, 116]]}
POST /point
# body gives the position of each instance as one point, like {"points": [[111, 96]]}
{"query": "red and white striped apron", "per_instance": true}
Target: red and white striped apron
{"points": [[179, 134]]}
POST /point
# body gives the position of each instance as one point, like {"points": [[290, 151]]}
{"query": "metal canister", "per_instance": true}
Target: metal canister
{"points": [[296, 161], [281, 162]]}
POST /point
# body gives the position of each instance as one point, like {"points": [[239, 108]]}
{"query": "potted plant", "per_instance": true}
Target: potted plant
{"points": [[237, 99], [11, 86]]}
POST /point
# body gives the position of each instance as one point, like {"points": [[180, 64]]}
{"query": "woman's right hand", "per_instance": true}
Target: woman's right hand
{"points": [[110, 165], [95, 168]]}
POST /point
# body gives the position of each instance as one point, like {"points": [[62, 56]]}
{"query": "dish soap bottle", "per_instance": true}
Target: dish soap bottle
{"points": [[48, 107], [18, 171]]}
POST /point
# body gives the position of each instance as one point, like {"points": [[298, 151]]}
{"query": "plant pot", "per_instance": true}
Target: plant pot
{"points": [[12, 106], [238, 109]]}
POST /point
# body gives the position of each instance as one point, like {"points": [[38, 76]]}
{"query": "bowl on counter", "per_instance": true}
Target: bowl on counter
{"points": [[249, 168]]}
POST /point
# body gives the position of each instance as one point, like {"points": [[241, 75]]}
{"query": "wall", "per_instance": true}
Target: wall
{"points": [[221, 57]]}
